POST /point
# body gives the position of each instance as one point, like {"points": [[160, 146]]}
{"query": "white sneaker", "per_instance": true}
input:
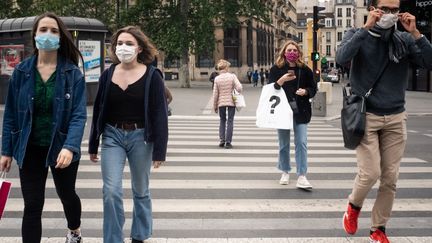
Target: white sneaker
{"points": [[72, 237], [284, 180], [303, 183]]}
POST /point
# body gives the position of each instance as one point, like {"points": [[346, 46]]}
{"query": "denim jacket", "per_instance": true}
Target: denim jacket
{"points": [[69, 111], [155, 117]]}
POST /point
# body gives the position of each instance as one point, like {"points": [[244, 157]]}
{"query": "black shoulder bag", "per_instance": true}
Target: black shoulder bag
{"points": [[353, 114]]}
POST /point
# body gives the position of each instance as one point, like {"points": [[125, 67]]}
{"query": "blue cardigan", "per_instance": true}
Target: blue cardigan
{"points": [[155, 107], [69, 111]]}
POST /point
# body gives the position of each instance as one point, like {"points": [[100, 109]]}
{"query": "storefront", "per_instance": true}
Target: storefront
{"points": [[16, 45], [420, 79]]}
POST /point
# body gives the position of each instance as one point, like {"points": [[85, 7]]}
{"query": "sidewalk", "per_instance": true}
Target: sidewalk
{"points": [[196, 100]]}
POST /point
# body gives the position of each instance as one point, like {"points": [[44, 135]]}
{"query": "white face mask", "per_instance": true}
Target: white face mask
{"points": [[387, 21], [125, 53]]}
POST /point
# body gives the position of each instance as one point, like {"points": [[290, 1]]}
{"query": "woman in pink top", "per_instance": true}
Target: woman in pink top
{"points": [[224, 84]]}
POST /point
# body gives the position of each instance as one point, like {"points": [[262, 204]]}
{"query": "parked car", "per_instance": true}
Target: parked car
{"points": [[332, 76]]}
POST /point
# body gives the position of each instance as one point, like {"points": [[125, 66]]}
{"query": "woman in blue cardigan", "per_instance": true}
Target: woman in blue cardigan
{"points": [[43, 125]]}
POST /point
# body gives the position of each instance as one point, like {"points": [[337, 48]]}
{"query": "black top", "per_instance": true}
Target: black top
{"points": [[305, 81], [126, 105]]}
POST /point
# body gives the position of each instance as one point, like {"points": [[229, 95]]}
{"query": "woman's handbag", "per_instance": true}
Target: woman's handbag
{"points": [[238, 99], [5, 187], [353, 118], [293, 102]]}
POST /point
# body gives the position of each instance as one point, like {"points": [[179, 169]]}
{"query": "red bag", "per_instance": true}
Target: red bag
{"points": [[5, 187]]}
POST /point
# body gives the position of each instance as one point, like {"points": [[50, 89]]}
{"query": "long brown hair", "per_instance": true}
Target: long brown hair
{"points": [[67, 47], [148, 53], [280, 59]]}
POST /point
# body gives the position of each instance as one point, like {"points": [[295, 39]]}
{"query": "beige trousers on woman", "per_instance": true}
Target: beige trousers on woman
{"points": [[378, 157]]}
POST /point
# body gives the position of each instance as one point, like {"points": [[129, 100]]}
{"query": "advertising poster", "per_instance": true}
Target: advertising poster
{"points": [[10, 56], [90, 50]]}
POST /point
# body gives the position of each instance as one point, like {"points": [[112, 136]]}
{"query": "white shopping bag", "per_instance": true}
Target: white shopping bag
{"points": [[273, 110], [238, 99]]}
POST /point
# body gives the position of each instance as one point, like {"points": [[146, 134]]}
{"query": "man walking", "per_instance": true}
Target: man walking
{"points": [[378, 52]]}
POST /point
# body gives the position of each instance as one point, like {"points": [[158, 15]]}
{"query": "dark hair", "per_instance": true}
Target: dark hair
{"points": [[148, 52], [372, 3], [67, 47]]}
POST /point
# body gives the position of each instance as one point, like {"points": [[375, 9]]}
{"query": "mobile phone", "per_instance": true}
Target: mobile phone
{"points": [[291, 72]]}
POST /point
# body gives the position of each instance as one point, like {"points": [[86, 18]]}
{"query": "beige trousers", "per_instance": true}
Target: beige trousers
{"points": [[378, 157]]}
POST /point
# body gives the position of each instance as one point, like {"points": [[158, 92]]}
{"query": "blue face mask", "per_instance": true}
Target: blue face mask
{"points": [[47, 42]]}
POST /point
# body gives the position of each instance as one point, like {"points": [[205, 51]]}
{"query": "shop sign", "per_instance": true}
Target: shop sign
{"points": [[423, 3]]}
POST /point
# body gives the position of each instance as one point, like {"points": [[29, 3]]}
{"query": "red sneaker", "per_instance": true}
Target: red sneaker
{"points": [[378, 237], [350, 220]]}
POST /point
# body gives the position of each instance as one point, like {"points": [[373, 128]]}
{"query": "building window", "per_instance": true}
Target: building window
{"points": [[205, 60], [339, 1], [348, 12], [348, 23], [339, 12], [231, 46], [328, 23], [172, 62], [328, 36], [249, 46], [339, 22], [365, 2], [328, 50], [339, 36], [300, 36], [365, 19]]}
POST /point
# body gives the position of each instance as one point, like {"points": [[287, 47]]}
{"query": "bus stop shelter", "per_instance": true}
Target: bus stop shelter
{"points": [[16, 44]]}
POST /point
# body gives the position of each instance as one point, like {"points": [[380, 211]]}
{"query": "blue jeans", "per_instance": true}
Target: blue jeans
{"points": [[117, 145], [300, 142], [228, 125]]}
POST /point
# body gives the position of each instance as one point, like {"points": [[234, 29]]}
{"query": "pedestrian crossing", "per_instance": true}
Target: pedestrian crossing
{"points": [[204, 193]]}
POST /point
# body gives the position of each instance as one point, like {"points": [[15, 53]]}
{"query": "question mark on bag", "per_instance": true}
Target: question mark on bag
{"points": [[274, 97]]}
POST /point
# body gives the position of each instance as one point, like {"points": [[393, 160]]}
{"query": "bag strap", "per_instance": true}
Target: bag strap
{"points": [[3, 175], [233, 82], [368, 93]]}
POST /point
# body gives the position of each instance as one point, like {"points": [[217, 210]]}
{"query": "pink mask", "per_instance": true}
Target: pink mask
{"points": [[291, 56]]}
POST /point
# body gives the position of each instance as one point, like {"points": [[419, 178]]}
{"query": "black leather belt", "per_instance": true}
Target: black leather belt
{"points": [[128, 126]]}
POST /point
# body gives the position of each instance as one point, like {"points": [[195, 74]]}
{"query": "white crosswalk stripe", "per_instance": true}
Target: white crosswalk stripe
{"points": [[204, 193]]}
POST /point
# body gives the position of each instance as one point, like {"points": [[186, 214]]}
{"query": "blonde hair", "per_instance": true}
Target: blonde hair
{"points": [[280, 59], [223, 64]]}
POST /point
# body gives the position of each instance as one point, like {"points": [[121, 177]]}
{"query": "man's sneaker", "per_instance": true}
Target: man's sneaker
{"points": [[221, 144], [284, 180], [350, 219], [303, 183], [228, 146], [378, 236], [73, 237]]}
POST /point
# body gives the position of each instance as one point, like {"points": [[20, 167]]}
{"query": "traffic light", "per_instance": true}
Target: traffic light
{"points": [[315, 56], [317, 17]]}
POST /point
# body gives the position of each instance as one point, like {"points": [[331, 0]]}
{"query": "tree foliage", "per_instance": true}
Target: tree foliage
{"points": [[179, 25]]}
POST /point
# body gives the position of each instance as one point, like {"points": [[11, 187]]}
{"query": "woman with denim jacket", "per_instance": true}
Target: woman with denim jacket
{"points": [[43, 125], [296, 79], [130, 113]]}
